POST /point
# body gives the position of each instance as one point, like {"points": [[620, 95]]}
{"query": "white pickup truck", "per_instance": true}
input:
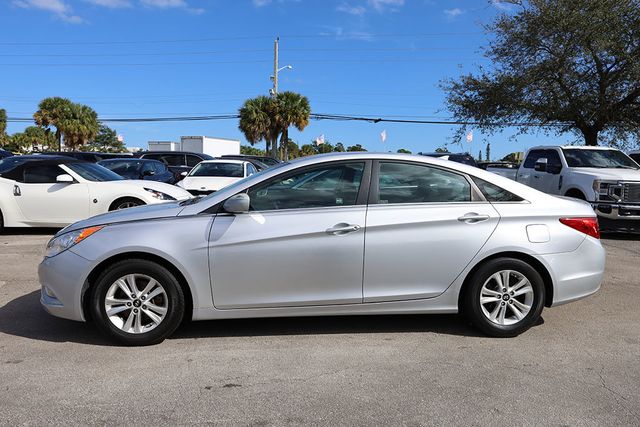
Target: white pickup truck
{"points": [[605, 177]]}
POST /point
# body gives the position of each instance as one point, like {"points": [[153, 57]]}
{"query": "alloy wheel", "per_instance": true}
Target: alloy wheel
{"points": [[506, 297], [136, 303]]}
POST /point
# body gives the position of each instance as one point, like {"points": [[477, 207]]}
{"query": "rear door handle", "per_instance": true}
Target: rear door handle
{"points": [[16, 191], [342, 229], [472, 218]]}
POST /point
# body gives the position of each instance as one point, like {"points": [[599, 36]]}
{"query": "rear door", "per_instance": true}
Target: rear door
{"points": [[424, 225]]}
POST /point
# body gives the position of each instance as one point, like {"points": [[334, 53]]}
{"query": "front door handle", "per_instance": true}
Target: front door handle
{"points": [[342, 229], [16, 191], [472, 218]]}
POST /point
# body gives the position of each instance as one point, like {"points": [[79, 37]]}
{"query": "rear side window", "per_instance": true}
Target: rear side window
{"points": [[42, 174], [411, 183], [493, 193], [532, 158], [193, 160]]}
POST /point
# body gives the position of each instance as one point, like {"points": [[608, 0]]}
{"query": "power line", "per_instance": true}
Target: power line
{"points": [[232, 38], [321, 116]]}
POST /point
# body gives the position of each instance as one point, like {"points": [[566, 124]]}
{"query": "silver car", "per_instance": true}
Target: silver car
{"points": [[335, 234]]}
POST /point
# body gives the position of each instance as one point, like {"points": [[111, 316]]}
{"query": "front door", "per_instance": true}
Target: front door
{"points": [[42, 200], [301, 244], [423, 228]]}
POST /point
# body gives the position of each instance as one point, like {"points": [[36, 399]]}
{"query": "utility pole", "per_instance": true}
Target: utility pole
{"points": [[274, 91]]}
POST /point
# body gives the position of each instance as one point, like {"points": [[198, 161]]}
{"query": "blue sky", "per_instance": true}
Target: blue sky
{"points": [[144, 58]]}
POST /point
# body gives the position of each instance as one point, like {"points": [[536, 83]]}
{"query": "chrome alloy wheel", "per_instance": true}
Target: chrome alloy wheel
{"points": [[136, 303], [506, 297], [126, 205]]}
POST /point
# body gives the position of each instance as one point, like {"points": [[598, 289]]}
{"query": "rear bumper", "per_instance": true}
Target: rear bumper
{"points": [[576, 274]]}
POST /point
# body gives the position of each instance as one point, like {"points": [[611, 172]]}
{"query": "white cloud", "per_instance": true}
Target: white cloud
{"points": [[500, 4], [111, 4], [452, 14], [171, 4], [59, 8], [351, 10], [383, 5]]}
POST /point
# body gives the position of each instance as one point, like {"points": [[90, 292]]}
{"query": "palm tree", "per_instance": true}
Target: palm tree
{"points": [[79, 126], [51, 111], [257, 121], [293, 109]]}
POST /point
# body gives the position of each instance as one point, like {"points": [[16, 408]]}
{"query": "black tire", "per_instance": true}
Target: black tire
{"points": [[472, 308], [174, 301], [125, 202]]}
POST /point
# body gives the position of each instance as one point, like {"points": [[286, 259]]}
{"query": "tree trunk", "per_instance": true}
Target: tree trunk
{"points": [[590, 136], [284, 142], [274, 147], [59, 138]]}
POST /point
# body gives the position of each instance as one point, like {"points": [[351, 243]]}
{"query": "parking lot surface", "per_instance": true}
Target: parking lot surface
{"points": [[579, 366]]}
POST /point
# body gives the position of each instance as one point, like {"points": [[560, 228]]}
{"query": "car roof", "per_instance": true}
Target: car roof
{"points": [[49, 157], [234, 161], [144, 153], [573, 147]]}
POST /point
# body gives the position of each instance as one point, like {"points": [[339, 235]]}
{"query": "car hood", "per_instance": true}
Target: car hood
{"points": [[155, 211], [173, 191], [207, 183], [612, 174]]}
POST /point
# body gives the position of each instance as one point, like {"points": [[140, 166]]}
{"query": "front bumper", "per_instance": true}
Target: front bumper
{"points": [[576, 274], [628, 211], [62, 278]]}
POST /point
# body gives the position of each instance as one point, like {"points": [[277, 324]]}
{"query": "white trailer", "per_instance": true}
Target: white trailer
{"points": [[212, 146]]}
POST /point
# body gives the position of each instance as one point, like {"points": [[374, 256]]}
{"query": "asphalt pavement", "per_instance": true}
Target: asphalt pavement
{"points": [[579, 366]]}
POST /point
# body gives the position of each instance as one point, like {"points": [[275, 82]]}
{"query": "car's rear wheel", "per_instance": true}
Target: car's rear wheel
{"points": [[137, 302], [124, 203], [504, 297]]}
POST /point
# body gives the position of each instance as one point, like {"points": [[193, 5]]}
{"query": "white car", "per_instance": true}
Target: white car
{"points": [[55, 191], [605, 177], [212, 175]]}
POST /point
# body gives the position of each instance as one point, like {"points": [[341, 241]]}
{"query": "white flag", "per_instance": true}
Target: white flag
{"points": [[383, 135], [320, 140], [470, 136]]}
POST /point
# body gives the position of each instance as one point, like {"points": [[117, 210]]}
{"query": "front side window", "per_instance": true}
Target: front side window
{"points": [[42, 174], [584, 158], [193, 160], [533, 157], [411, 183], [327, 186]]}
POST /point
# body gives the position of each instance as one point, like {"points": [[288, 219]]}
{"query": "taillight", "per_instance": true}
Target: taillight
{"points": [[587, 225]]}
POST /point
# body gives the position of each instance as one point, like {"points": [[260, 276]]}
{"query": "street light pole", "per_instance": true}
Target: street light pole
{"points": [[275, 67]]}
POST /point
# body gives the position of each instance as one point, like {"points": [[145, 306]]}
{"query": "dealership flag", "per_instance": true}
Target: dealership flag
{"points": [[383, 135], [320, 140], [470, 137]]}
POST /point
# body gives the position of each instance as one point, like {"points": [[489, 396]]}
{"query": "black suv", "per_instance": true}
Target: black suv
{"points": [[87, 156], [177, 161]]}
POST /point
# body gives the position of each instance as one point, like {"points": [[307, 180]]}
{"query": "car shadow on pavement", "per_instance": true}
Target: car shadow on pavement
{"points": [[620, 236], [24, 317], [29, 231]]}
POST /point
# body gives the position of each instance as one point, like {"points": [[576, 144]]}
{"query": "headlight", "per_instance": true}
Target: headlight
{"points": [[607, 190], [159, 195], [65, 241]]}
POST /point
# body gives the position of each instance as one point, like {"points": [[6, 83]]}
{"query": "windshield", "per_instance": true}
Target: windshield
{"points": [[127, 168], [581, 158], [229, 170], [93, 172]]}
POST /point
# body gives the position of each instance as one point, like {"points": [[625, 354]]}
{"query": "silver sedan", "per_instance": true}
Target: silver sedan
{"points": [[336, 234]]}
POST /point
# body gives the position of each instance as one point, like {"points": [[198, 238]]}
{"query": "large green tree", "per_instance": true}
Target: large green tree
{"points": [[292, 109], [51, 112], [77, 123], [106, 141], [33, 138], [563, 65], [4, 138]]}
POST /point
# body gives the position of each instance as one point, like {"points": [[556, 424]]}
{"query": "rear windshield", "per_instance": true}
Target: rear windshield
{"points": [[230, 170]]}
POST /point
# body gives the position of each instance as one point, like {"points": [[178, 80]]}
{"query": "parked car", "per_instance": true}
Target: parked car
{"points": [[441, 237], [177, 161], [635, 155], [150, 170], [269, 161], [55, 191], [605, 177], [464, 158], [5, 153], [506, 169], [260, 166], [88, 156], [212, 175]]}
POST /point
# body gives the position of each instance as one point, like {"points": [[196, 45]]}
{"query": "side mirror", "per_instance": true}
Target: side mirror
{"points": [[183, 174], [541, 165], [148, 173], [237, 204], [65, 179]]}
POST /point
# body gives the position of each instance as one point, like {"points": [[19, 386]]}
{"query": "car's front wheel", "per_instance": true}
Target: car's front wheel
{"points": [[505, 297], [137, 302], [125, 203]]}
